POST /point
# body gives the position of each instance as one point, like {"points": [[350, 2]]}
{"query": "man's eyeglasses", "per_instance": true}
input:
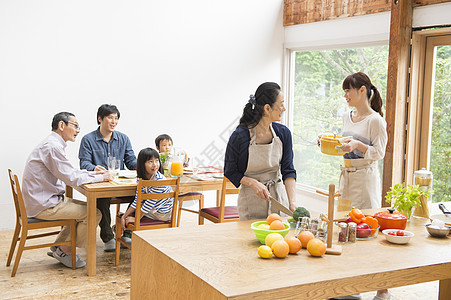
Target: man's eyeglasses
{"points": [[75, 125]]}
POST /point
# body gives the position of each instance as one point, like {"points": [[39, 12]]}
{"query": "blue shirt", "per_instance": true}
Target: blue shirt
{"points": [[162, 206], [94, 150], [237, 153]]}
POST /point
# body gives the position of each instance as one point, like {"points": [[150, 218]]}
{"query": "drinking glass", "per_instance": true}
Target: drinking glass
{"points": [[194, 165], [113, 165]]}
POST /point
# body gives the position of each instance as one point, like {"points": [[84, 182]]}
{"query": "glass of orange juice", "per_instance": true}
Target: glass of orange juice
{"points": [[176, 169]]}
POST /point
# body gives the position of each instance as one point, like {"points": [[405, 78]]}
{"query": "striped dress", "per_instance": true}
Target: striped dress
{"points": [[161, 206]]}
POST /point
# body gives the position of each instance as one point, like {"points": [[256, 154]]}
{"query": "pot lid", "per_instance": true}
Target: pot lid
{"points": [[423, 173], [390, 214]]}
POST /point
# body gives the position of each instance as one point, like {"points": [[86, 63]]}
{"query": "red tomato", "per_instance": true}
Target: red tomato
{"points": [[400, 233], [391, 233]]}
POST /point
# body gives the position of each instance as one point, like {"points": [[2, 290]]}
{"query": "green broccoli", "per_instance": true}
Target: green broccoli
{"points": [[300, 212]]}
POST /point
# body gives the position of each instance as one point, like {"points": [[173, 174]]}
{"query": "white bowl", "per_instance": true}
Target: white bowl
{"points": [[397, 239]]}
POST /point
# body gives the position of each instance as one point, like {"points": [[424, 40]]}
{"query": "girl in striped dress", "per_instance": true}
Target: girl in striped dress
{"points": [[149, 167]]}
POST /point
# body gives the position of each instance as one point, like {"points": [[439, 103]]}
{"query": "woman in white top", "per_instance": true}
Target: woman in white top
{"points": [[360, 179]]}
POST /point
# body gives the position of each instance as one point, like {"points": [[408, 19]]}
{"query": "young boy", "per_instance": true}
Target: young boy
{"points": [[164, 143]]}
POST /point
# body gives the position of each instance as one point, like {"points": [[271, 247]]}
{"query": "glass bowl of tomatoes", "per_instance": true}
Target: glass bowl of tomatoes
{"points": [[366, 232], [397, 236]]}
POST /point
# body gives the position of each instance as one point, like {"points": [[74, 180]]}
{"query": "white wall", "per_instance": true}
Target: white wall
{"points": [[185, 68]]}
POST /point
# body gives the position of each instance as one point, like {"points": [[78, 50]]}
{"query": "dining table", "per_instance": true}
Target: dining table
{"points": [[220, 261], [95, 191]]}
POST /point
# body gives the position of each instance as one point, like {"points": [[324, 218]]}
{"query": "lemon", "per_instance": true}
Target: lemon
{"points": [[264, 251], [272, 237], [263, 226]]}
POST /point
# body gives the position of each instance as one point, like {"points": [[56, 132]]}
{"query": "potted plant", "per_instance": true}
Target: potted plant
{"points": [[404, 199]]}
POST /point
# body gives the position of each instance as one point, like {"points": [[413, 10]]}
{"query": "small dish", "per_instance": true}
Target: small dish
{"points": [[395, 239], [127, 173], [438, 232]]}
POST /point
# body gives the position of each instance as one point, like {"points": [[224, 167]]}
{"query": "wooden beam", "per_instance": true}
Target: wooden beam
{"points": [[397, 86], [308, 11]]}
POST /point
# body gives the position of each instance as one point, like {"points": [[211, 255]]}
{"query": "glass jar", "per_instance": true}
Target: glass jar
{"points": [[305, 223], [423, 178], [352, 232], [322, 231], [342, 232]]}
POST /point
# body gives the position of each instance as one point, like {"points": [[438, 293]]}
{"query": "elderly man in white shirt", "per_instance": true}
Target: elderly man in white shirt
{"points": [[47, 171]]}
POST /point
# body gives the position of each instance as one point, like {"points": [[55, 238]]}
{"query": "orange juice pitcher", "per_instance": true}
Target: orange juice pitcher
{"points": [[176, 165]]}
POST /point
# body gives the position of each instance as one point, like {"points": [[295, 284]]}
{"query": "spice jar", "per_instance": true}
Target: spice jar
{"points": [[342, 232], [305, 223], [322, 231], [313, 228], [352, 230]]}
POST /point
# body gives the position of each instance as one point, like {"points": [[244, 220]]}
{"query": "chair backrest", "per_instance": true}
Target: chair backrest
{"points": [[21, 213], [174, 183], [227, 189]]}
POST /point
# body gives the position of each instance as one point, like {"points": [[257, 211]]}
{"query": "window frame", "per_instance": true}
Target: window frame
{"points": [[418, 127]]}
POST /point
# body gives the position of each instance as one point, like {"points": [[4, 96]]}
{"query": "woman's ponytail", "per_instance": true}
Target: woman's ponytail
{"points": [[253, 110], [376, 101], [359, 79]]}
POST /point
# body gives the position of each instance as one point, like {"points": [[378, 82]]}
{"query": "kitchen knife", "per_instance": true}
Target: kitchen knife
{"points": [[279, 206]]}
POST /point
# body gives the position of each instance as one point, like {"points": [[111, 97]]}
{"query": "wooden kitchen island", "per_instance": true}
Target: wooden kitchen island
{"points": [[220, 261]]}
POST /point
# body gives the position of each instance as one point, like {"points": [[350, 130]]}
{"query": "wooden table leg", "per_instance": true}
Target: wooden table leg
{"points": [[91, 235], [444, 291]]}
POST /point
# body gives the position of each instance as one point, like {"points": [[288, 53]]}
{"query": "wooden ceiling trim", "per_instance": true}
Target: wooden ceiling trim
{"points": [[309, 11]]}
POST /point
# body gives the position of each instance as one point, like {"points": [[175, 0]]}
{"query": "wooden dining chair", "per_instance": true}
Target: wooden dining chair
{"points": [[24, 225], [145, 223], [196, 196], [221, 213]]}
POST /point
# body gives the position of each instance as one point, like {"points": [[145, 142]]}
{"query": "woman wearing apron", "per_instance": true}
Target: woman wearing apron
{"points": [[360, 179], [259, 156]]}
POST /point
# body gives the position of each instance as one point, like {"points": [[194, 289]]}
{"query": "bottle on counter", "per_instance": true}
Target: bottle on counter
{"points": [[423, 178], [352, 232], [342, 232]]}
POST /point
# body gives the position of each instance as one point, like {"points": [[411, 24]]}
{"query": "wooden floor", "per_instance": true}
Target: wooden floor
{"points": [[42, 277]]}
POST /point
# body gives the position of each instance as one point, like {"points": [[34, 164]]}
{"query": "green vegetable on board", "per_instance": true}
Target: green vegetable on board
{"points": [[300, 212]]}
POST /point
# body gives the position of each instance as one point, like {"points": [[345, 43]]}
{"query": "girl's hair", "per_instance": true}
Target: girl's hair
{"points": [[143, 156], [357, 80], [266, 93]]}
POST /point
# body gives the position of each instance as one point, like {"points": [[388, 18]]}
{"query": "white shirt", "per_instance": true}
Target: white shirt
{"points": [[370, 131], [47, 171]]}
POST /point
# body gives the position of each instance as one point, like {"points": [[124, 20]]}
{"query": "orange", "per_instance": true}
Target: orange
{"points": [[272, 237], [305, 237], [273, 217], [264, 251], [316, 247], [276, 225], [294, 244], [280, 248]]}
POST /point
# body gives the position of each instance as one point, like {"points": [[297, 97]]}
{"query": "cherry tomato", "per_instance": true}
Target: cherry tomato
{"points": [[400, 233], [391, 233]]}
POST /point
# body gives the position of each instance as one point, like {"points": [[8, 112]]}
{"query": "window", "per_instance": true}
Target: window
{"points": [[318, 104], [429, 134]]}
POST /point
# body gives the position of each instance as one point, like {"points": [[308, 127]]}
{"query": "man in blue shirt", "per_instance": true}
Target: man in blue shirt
{"points": [[95, 148]]}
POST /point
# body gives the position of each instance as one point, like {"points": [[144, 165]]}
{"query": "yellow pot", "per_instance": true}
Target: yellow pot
{"points": [[331, 145]]}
